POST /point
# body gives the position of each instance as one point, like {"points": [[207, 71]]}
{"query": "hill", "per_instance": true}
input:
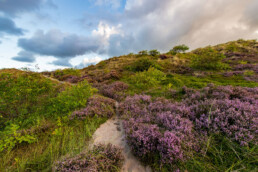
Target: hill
{"points": [[193, 111]]}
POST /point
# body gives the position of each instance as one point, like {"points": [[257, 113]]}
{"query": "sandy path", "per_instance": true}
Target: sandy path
{"points": [[112, 132]]}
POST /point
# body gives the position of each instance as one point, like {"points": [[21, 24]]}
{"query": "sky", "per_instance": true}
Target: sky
{"points": [[56, 34]]}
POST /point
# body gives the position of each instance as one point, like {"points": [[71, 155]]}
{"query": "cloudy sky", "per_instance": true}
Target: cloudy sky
{"points": [[75, 33]]}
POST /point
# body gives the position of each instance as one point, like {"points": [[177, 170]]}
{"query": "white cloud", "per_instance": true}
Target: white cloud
{"points": [[88, 61], [105, 31]]}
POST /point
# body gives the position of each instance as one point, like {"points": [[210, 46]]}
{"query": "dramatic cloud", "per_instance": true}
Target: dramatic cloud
{"points": [[25, 56], [152, 24], [7, 26], [58, 44]]}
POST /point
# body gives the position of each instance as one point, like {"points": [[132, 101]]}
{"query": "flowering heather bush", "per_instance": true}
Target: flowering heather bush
{"points": [[101, 158], [142, 137], [174, 131], [146, 123], [97, 105], [114, 90]]}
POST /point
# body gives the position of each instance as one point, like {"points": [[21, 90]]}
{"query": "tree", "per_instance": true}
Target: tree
{"points": [[179, 49], [154, 52], [143, 52]]}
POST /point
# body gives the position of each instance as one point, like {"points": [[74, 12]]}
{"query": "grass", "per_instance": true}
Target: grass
{"points": [[224, 155], [68, 138]]}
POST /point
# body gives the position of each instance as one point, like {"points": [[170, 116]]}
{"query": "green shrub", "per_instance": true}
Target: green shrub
{"points": [[154, 52], [143, 64], [208, 59], [70, 99], [10, 138], [147, 79]]}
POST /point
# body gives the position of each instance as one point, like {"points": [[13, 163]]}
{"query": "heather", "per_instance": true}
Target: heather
{"points": [[114, 90], [172, 134], [100, 158], [96, 106]]}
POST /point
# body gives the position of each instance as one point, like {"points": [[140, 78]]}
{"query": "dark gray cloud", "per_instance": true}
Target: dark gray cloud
{"points": [[25, 56], [7, 26], [15, 7], [62, 46], [58, 44], [62, 62]]}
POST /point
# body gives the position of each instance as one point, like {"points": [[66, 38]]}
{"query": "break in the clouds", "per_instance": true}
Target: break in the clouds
{"points": [[25, 56], [7, 26], [116, 27]]}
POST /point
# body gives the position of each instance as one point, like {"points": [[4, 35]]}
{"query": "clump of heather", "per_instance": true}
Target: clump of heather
{"points": [[148, 123], [143, 138], [114, 90], [100, 158], [135, 106], [97, 105]]}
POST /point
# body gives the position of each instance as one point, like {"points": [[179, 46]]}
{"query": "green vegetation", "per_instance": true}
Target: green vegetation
{"points": [[142, 64], [147, 79], [208, 59], [34, 114], [143, 53], [154, 52], [179, 49], [43, 120]]}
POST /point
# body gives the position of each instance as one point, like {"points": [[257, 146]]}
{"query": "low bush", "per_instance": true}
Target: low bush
{"points": [[208, 59], [147, 79], [72, 98], [100, 158], [142, 64]]}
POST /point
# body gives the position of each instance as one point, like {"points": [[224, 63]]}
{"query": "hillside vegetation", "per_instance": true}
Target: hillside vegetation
{"points": [[193, 111]]}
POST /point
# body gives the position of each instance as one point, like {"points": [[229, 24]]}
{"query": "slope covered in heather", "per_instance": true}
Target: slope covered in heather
{"points": [[194, 111]]}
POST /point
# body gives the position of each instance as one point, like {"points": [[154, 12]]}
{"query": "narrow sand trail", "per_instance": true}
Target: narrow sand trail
{"points": [[112, 132]]}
